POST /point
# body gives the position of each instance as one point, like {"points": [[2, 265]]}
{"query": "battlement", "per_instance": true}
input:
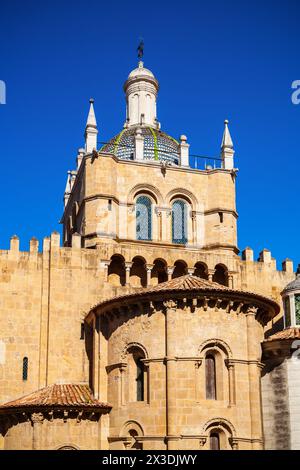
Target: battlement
{"points": [[265, 257]]}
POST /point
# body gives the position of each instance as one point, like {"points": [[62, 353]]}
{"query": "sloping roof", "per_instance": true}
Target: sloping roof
{"points": [[56, 395], [186, 283], [288, 334]]}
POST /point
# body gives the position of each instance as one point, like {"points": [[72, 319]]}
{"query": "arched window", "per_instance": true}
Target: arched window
{"points": [[214, 441], [210, 377], [139, 380], [143, 218], [25, 368], [136, 370], [179, 222]]}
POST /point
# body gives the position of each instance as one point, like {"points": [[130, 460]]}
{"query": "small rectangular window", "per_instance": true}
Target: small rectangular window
{"points": [[82, 331], [25, 368], [109, 204], [221, 215]]}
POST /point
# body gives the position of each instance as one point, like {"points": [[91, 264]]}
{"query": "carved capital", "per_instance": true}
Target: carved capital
{"points": [[170, 305], [37, 418], [252, 310]]}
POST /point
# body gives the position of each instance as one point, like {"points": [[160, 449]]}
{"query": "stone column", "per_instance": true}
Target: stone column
{"points": [[194, 226], [37, 421], [159, 224], [127, 268], [254, 374], [211, 272], [191, 270], [230, 367], [103, 358], [230, 280], [105, 265], [96, 354], [122, 369], [170, 271], [149, 268], [171, 412]]}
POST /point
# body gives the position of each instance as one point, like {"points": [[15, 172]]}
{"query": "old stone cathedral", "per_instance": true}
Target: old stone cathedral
{"points": [[145, 327]]}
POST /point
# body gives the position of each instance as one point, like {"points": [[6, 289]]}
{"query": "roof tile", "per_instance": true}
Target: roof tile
{"points": [[56, 395]]}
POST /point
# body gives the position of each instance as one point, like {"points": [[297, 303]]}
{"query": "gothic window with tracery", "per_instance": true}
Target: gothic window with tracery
{"points": [[143, 218], [179, 222]]}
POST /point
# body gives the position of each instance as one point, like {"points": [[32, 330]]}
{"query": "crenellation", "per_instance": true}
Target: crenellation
{"points": [[247, 254], [33, 245], [265, 256], [287, 266]]}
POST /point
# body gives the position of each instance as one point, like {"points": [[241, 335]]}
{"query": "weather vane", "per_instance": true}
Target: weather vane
{"points": [[140, 49]]}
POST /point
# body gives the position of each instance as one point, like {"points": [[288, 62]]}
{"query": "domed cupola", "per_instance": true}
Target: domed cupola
{"points": [[141, 137], [141, 88], [291, 302]]}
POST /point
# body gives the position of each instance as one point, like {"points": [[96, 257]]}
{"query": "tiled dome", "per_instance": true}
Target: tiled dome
{"points": [[295, 284], [157, 145]]}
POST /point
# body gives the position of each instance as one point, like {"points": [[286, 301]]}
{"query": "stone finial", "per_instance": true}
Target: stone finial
{"points": [[184, 151], [139, 144], [91, 130], [79, 157], [227, 152]]}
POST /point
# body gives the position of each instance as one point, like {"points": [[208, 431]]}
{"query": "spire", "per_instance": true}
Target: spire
{"points": [[91, 120], [91, 130], [227, 151], [226, 141]]}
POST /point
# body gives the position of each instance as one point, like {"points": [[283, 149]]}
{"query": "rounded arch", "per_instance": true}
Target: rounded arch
{"points": [[116, 270], [67, 446], [182, 193], [201, 270], [221, 274], [138, 273], [131, 425], [147, 189], [180, 268], [133, 345], [219, 423], [159, 271], [215, 343]]}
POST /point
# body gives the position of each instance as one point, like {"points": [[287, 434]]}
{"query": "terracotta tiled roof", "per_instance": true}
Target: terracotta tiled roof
{"points": [[188, 283], [67, 395], [288, 333]]}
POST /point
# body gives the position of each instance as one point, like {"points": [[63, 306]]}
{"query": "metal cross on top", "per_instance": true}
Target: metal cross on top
{"points": [[140, 49]]}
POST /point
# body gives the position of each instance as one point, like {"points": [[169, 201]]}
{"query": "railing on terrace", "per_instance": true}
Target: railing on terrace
{"points": [[197, 162]]}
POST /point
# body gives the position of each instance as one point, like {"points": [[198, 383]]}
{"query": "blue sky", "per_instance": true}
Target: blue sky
{"points": [[213, 59]]}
